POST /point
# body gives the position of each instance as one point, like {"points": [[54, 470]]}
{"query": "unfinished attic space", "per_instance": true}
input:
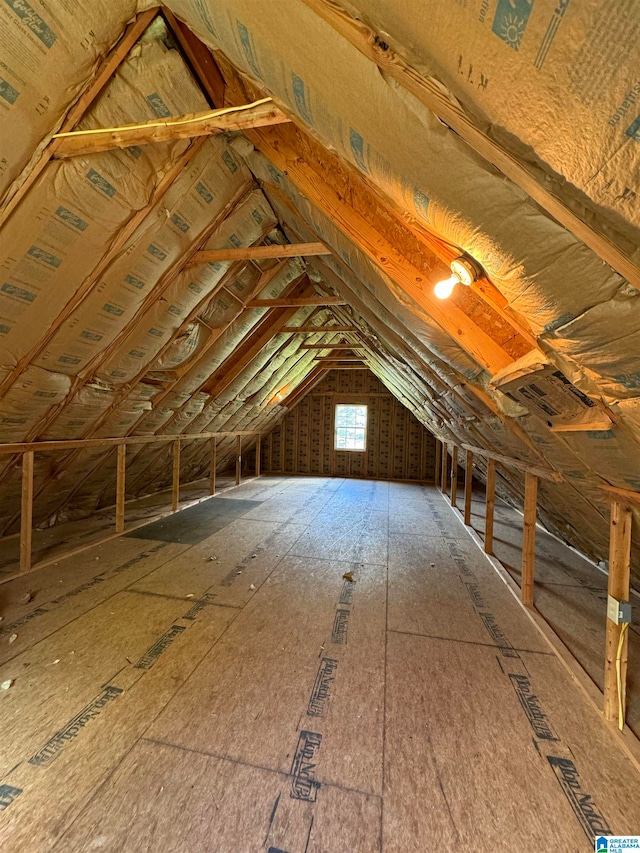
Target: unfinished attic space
{"points": [[319, 426]]}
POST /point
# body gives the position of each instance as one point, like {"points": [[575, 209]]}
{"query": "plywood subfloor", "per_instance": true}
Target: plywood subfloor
{"points": [[239, 694]]}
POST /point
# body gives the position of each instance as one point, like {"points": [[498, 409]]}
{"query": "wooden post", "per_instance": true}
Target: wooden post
{"points": [[454, 475], [490, 506], [26, 514], [120, 486], [444, 472], [529, 537], [618, 588], [212, 467], [436, 477], [468, 486], [239, 460], [258, 451], [175, 492]]}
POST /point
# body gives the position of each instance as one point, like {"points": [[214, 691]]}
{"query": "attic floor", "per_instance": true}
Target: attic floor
{"points": [[239, 695]]}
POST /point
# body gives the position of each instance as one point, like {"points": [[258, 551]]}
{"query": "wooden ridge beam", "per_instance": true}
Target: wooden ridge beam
{"points": [[377, 50], [250, 253], [74, 143], [198, 56], [281, 150]]}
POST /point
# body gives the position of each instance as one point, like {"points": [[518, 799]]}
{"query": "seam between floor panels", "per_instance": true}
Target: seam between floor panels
{"points": [[626, 741], [89, 609], [253, 766], [465, 642]]}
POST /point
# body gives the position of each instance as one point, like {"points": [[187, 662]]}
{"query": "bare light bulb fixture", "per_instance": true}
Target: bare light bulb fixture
{"points": [[464, 271], [444, 288]]}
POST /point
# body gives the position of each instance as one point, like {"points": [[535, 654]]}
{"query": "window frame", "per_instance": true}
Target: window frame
{"points": [[350, 405]]}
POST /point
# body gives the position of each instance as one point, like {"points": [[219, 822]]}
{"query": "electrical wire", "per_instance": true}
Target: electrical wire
{"points": [[621, 688]]}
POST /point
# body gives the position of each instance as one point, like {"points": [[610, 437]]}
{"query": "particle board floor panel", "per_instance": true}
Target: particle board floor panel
{"points": [[189, 809], [58, 595], [476, 590], [259, 701], [265, 668], [235, 560], [473, 759], [298, 501]]}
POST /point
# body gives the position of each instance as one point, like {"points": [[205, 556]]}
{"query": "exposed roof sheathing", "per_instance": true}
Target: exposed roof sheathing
{"points": [[490, 129]]}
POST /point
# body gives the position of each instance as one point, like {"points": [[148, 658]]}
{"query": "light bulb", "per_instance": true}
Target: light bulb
{"points": [[444, 289]]}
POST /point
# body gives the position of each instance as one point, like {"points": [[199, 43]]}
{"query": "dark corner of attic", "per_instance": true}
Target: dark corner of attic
{"points": [[319, 426]]}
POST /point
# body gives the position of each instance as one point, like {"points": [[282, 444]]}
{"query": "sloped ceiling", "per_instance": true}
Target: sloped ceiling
{"points": [[411, 141]]}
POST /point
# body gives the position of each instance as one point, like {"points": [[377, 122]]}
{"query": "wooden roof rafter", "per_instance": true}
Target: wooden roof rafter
{"points": [[376, 48], [101, 78], [179, 374]]}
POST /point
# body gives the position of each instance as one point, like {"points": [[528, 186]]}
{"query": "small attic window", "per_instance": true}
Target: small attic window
{"points": [[351, 427]]}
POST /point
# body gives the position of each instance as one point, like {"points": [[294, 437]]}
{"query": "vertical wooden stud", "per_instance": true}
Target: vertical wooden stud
{"points": [[445, 465], [438, 460], [238, 460], [618, 588], [258, 452], [490, 506], [212, 466], [468, 487], [121, 468], [175, 491], [529, 537], [454, 475], [26, 513]]}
